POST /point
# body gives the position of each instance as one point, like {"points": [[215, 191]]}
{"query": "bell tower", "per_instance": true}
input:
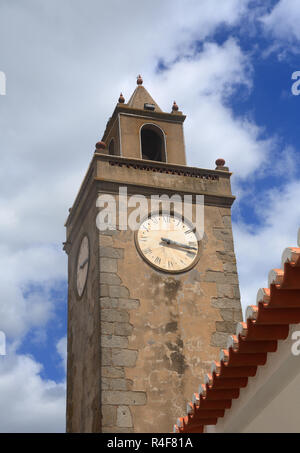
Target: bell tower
{"points": [[150, 307]]}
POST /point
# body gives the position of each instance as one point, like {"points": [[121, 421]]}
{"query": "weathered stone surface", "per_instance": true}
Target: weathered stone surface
{"points": [[107, 328], [112, 372], [127, 398], [108, 265], [227, 314], [222, 233], [223, 302], [110, 279], [105, 383], [230, 267], [106, 357], [104, 292], [227, 221], [225, 290], [228, 245], [109, 415], [111, 315], [219, 339], [226, 257], [114, 341], [129, 304], [124, 419], [238, 315], [105, 241], [226, 326], [123, 328], [111, 252], [118, 384], [124, 357], [236, 291], [108, 302], [118, 291]]}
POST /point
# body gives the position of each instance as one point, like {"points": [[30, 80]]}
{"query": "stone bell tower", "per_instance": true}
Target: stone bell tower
{"points": [[147, 311]]}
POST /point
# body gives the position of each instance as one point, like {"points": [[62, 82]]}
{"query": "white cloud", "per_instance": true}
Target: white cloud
{"points": [[283, 20], [202, 86], [259, 248], [61, 348], [29, 403]]}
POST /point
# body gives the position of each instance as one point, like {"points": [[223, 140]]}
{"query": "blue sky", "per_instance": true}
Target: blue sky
{"points": [[227, 64]]}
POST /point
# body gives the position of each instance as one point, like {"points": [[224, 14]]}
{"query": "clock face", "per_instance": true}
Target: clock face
{"points": [[167, 242], [82, 265]]}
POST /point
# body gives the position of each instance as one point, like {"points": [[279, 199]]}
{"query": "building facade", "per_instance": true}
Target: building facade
{"points": [[147, 310]]}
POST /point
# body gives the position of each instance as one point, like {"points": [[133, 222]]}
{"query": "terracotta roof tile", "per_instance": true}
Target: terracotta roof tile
{"points": [[268, 321]]}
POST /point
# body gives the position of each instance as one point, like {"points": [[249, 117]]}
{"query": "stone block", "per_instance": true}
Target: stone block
{"points": [[118, 291], [126, 398], [106, 328], [109, 415], [225, 290], [110, 279], [113, 341], [219, 339], [226, 326], [124, 418], [111, 252], [108, 302], [128, 304], [106, 357], [112, 372], [227, 314], [105, 241], [112, 315], [104, 292], [123, 328], [108, 265], [124, 357], [223, 302]]}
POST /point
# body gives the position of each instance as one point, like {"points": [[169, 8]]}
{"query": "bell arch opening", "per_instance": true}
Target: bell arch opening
{"points": [[153, 143]]}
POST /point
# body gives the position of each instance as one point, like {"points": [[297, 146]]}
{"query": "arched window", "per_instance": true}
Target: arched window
{"points": [[111, 148], [153, 143]]}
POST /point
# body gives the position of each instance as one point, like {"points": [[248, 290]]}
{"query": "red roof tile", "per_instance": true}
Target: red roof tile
{"points": [[266, 322]]}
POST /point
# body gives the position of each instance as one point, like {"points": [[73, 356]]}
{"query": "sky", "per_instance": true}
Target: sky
{"points": [[228, 64]]}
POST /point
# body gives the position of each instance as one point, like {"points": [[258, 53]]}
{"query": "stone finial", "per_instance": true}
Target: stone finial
{"points": [[100, 145], [121, 99], [175, 107], [220, 162], [139, 80]]}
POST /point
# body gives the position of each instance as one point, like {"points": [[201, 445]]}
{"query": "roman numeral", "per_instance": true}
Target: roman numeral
{"points": [[147, 251], [157, 260]]}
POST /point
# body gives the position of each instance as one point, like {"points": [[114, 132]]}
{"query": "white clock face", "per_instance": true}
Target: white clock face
{"points": [[167, 242], [82, 265]]}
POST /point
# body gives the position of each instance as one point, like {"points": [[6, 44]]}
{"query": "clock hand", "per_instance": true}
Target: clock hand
{"points": [[179, 244], [84, 263]]}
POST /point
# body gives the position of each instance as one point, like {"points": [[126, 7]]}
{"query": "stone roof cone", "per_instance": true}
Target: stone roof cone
{"points": [[140, 97]]}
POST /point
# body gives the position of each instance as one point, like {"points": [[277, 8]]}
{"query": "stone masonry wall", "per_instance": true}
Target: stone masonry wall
{"points": [[228, 293], [115, 303]]}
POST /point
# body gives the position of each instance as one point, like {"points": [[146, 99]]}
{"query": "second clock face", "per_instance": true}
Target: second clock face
{"points": [[82, 265], [167, 242]]}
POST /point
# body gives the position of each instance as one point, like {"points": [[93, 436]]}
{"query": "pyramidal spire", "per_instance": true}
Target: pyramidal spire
{"points": [[141, 96]]}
